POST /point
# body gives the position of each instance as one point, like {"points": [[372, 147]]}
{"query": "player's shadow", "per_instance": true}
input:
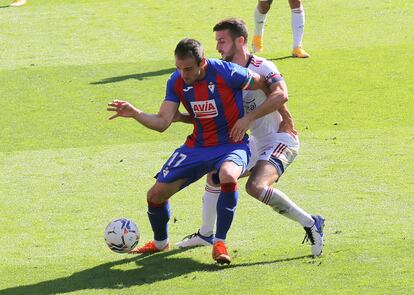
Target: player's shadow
{"points": [[4, 6], [139, 76], [280, 58], [140, 270]]}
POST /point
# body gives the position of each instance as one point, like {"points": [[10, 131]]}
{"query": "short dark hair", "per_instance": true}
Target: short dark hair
{"points": [[237, 27], [189, 48]]}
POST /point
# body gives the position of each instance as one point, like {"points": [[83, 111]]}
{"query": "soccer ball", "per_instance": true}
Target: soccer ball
{"points": [[121, 235]]}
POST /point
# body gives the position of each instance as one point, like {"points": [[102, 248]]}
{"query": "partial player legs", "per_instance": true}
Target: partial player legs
{"points": [[204, 236], [159, 215], [260, 15], [298, 26], [264, 174]]}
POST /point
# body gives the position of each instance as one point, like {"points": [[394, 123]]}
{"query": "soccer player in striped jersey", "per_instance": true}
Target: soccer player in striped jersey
{"points": [[297, 22], [274, 144], [211, 92]]}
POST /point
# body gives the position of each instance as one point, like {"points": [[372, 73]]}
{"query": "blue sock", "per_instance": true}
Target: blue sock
{"points": [[159, 215], [226, 206]]}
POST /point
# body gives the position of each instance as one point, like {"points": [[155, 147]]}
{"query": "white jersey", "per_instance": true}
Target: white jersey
{"points": [[265, 128]]}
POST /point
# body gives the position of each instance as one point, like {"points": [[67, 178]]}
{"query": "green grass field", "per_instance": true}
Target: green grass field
{"points": [[66, 171]]}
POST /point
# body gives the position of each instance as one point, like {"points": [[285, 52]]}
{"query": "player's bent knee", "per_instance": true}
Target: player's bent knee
{"points": [[264, 6], [156, 196], [227, 177], [295, 4], [229, 172], [254, 189]]}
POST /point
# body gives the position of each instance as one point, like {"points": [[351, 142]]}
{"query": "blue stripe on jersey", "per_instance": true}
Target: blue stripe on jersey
{"points": [[211, 127]]}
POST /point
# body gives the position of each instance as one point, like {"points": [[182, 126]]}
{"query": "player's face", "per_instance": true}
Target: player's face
{"points": [[189, 70], [225, 45]]}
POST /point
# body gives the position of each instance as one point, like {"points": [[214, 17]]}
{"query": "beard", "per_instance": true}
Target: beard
{"points": [[228, 58], [231, 53]]}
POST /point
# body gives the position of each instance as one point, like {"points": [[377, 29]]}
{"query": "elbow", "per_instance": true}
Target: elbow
{"points": [[161, 128], [282, 97]]}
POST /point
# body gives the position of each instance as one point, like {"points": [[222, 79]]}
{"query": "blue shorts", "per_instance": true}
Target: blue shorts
{"points": [[194, 163]]}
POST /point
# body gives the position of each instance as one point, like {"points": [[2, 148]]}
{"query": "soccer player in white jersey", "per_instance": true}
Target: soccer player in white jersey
{"points": [[273, 142], [297, 23]]}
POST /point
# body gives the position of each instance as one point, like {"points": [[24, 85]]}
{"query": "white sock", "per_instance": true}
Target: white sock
{"points": [[298, 24], [285, 206], [209, 210], [161, 244], [259, 22]]}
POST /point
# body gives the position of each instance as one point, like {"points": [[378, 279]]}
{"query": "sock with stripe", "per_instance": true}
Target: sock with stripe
{"points": [[209, 210], [226, 206], [285, 206]]}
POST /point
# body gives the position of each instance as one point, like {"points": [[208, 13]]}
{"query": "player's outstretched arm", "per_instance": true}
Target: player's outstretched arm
{"points": [[159, 122]]}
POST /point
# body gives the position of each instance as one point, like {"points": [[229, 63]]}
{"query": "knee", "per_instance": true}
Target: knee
{"points": [[295, 4], [154, 195], [226, 176], [264, 7], [254, 188]]}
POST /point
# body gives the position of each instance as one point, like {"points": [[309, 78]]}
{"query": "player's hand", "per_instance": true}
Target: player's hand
{"points": [[239, 129], [122, 109], [286, 126]]}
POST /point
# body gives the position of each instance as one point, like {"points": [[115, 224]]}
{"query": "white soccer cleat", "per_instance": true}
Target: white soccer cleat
{"points": [[194, 240], [314, 234]]}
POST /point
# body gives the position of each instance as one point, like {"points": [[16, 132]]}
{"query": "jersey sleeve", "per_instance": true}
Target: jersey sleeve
{"points": [[170, 92], [235, 75], [270, 72]]}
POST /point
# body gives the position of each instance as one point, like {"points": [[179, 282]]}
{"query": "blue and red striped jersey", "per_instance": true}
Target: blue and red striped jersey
{"points": [[215, 103]]}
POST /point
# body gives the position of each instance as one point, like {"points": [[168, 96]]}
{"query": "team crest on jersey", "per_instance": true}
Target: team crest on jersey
{"points": [[204, 109], [211, 87]]}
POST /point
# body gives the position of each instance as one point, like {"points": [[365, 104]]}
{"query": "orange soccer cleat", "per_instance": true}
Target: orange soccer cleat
{"points": [[149, 248], [257, 44], [220, 253], [300, 52]]}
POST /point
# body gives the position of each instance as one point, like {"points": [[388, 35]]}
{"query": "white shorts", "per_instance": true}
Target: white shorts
{"points": [[279, 149]]}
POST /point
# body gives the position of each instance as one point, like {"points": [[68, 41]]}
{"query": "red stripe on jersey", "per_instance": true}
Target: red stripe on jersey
{"points": [[178, 88], [231, 112], [256, 62], [210, 134]]}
